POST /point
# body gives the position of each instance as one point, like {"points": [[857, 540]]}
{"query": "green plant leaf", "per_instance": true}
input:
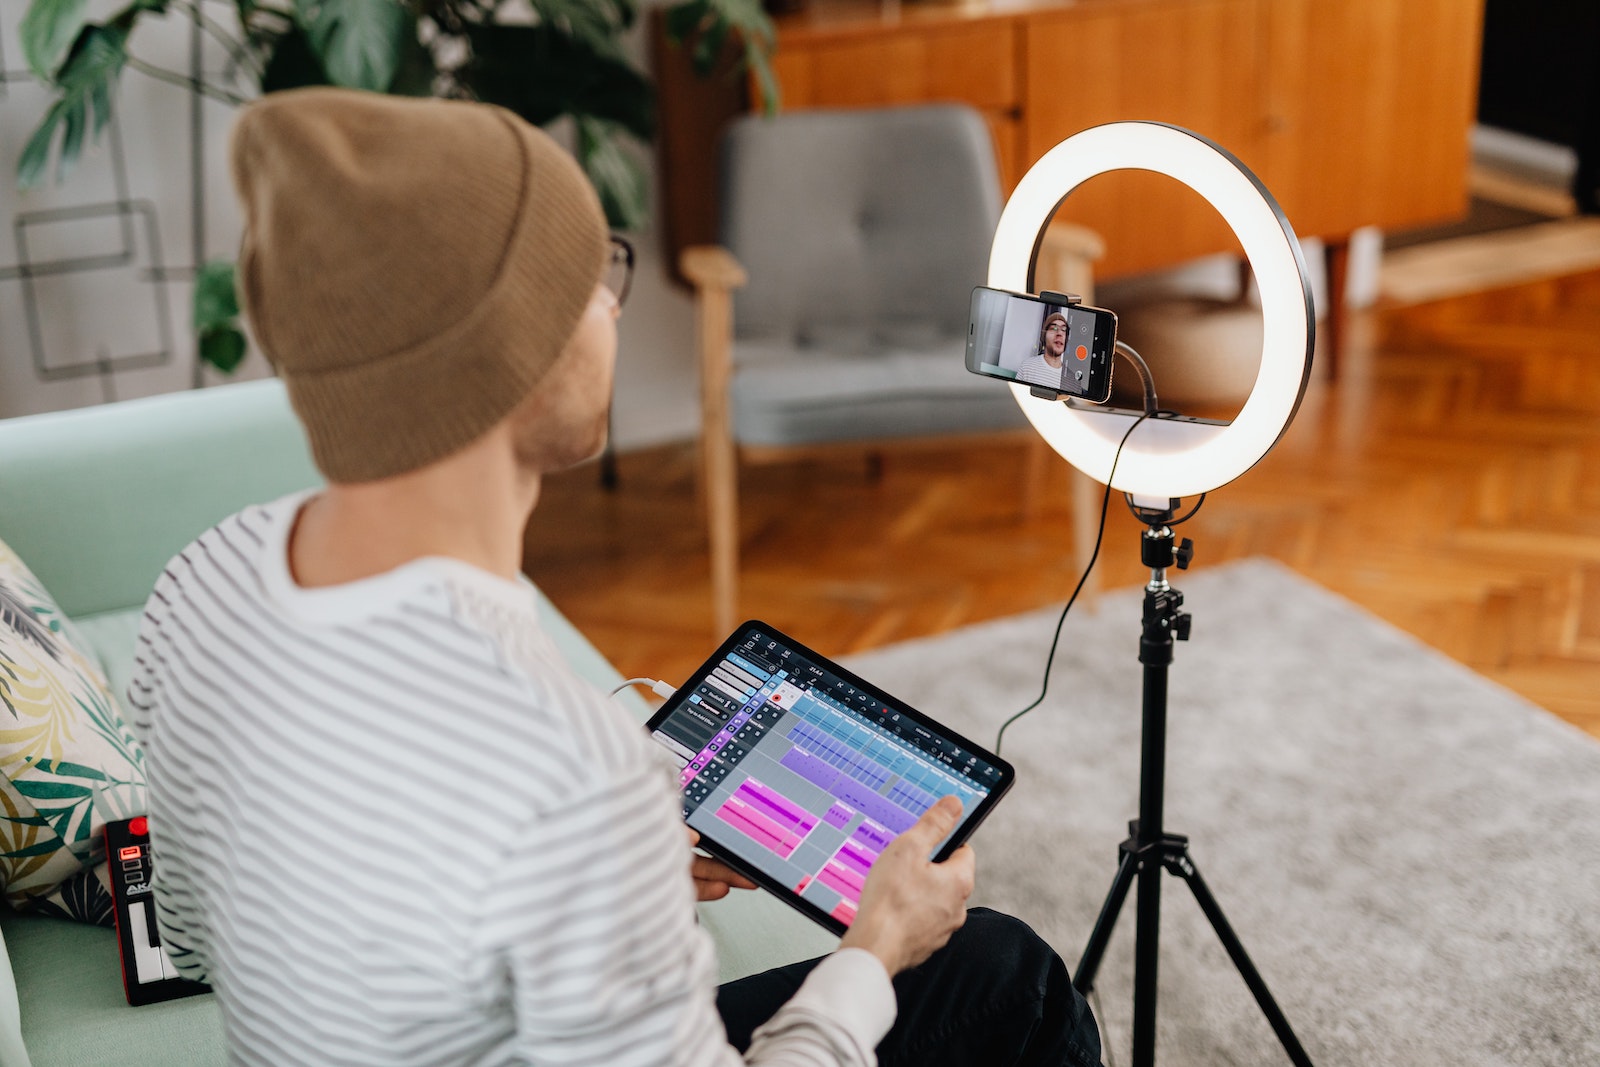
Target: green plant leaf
{"points": [[216, 314], [707, 47], [359, 42], [746, 17], [215, 301], [597, 23], [63, 768], [47, 32], [759, 60], [70, 823], [223, 347], [37, 790], [105, 723], [50, 27], [125, 18], [292, 64], [42, 848], [680, 20], [86, 81], [705, 26], [542, 74], [616, 176], [417, 74]]}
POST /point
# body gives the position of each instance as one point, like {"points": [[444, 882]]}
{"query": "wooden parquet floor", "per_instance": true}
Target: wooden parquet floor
{"points": [[1449, 482]]}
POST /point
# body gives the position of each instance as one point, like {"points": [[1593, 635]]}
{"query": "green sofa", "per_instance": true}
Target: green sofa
{"points": [[96, 501]]}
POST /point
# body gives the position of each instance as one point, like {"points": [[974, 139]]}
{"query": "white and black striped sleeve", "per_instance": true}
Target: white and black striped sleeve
{"points": [[608, 966]]}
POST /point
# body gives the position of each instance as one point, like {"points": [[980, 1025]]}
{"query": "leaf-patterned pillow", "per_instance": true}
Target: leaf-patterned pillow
{"points": [[68, 763]]}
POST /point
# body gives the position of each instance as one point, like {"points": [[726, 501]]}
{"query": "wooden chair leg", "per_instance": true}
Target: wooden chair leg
{"points": [[722, 514], [1035, 472], [1086, 495], [715, 274], [719, 475]]}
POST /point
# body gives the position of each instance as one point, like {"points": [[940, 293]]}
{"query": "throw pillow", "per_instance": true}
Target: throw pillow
{"points": [[68, 763]]}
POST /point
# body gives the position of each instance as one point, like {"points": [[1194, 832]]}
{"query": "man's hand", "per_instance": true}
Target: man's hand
{"points": [[713, 878], [909, 906]]}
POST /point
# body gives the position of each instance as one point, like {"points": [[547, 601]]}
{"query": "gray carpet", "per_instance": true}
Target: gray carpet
{"points": [[1410, 853]]}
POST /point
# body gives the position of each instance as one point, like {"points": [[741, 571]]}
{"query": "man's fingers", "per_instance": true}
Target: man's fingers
{"points": [[709, 870], [709, 891], [938, 820], [963, 865]]}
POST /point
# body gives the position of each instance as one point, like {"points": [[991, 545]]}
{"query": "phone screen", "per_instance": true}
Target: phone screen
{"points": [[1065, 348]]}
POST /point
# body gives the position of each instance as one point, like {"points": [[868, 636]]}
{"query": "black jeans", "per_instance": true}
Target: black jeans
{"points": [[995, 996]]}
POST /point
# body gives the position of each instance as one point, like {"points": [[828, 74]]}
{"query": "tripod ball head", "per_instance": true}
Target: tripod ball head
{"points": [[1157, 552]]}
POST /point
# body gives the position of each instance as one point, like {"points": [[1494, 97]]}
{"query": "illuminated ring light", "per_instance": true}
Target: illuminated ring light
{"points": [[1167, 458]]}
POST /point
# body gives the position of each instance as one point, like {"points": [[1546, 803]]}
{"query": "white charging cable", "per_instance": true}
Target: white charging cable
{"points": [[659, 688]]}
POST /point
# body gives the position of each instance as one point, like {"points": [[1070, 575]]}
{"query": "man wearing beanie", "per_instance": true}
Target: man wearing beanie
{"points": [[393, 826]]}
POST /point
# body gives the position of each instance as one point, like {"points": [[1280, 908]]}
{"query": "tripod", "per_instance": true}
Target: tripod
{"points": [[1149, 848]]}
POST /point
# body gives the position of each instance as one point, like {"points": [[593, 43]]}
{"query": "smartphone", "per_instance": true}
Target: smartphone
{"points": [[1057, 349]]}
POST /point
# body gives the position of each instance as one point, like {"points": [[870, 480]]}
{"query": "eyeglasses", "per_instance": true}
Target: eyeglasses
{"points": [[1056, 327], [618, 276]]}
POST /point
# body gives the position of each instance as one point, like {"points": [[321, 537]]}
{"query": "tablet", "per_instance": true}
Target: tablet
{"points": [[798, 773]]}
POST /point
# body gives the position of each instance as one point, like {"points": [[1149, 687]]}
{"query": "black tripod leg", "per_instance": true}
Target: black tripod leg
{"points": [[1186, 869], [1089, 965]]}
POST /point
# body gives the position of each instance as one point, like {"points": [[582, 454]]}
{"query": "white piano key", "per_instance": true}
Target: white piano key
{"points": [[149, 961]]}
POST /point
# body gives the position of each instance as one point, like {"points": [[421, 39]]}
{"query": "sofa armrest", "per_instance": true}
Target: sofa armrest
{"points": [[97, 500]]}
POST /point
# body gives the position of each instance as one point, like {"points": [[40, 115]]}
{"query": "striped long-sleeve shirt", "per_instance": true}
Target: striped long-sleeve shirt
{"points": [[391, 826]]}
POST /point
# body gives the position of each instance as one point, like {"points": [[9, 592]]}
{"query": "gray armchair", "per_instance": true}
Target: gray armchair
{"points": [[852, 240]]}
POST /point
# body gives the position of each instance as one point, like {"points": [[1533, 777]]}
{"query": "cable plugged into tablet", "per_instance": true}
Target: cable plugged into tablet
{"points": [[659, 688]]}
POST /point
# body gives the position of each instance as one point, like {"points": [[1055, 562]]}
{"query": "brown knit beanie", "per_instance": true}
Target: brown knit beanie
{"points": [[411, 267]]}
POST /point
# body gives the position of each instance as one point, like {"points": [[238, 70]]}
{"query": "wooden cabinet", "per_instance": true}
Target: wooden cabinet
{"points": [[1188, 62], [1353, 112], [974, 61], [1368, 109]]}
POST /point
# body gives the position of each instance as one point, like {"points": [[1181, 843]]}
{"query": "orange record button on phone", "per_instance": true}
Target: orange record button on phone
{"points": [[1082, 352], [130, 853]]}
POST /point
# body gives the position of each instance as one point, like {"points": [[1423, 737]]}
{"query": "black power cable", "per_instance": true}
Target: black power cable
{"points": [[1105, 501]]}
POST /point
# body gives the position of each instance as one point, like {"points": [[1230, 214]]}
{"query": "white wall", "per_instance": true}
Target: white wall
{"points": [[115, 310]]}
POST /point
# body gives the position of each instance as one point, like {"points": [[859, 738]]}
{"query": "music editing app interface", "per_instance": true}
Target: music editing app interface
{"points": [[815, 775]]}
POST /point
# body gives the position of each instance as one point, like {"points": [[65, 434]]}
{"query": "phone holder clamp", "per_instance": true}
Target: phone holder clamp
{"points": [[1064, 299]]}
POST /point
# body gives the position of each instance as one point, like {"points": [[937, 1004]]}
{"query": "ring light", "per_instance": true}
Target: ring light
{"points": [[1169, 458]]}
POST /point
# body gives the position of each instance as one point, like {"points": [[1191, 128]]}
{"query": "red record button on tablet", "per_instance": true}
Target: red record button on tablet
{"points": [[139, 827]]}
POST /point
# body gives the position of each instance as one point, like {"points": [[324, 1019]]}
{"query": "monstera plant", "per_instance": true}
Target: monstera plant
{"points": [[544, 59]]}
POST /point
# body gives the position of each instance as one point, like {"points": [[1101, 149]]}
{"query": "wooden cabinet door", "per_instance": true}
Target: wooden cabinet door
{"points": [[1369, 109], [972, 62], [1193, 63]]}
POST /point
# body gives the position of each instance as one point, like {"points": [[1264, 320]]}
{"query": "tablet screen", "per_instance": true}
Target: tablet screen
{"points": [[800, 773]]}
